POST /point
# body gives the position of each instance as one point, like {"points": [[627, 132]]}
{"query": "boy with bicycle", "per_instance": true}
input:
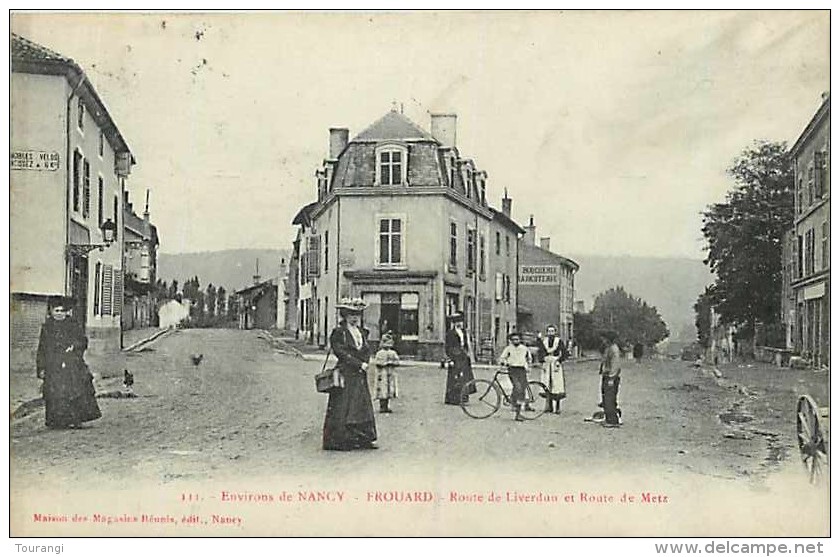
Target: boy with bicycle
{"points": [[516, 357]]}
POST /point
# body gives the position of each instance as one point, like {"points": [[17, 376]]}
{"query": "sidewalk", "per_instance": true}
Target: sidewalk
{"points": [[25, 387]]}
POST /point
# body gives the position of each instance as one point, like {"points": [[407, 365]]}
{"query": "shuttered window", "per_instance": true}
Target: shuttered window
{"points": [[97, 288], [314, 256], [116, 306], [107, 289], [500, 285]]}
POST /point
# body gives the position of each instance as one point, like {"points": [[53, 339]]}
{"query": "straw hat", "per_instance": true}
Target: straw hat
{"points": [[355, 305]]}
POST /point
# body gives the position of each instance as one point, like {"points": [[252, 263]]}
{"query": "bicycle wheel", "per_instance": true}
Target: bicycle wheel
{"points": [[535, 396], [485, 400]]}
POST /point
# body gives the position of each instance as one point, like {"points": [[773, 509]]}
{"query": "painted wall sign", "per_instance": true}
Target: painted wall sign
{"points": [[544, 275], [34, 160]]}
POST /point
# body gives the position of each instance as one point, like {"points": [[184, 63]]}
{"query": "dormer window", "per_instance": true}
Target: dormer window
{"points": [[391, 165]]}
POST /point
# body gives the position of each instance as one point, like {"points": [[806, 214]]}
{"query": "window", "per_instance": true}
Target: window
{"points": [[507, 288], [470, 251], [81, 121], [825, 255], [86, 204], [116, 211], [821, 176], [809, 252], [453, 246], [810, 184], [390, 168], [97, 279], [507, 245], [500, 287], [469, 184], [800, 195], [326, 251], [77, 179], [100, 201], [390, 241], [800, 267], [498, 243], [481, 259], [101, 144], [313, 257]]}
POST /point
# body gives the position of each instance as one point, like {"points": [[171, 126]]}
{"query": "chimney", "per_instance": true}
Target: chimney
{"points": [[506, 204], [545, 243], [146, 210], [284, 271], [443, 128], [257, 273], [338, 141], [530, 233]]}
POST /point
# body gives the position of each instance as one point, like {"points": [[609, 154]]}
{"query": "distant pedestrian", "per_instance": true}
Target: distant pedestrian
{"points": [[551, 352], [349, 423], [638, 352], [387, 384], [69, 395], [517, 358], [610, 379], [459, 361]]}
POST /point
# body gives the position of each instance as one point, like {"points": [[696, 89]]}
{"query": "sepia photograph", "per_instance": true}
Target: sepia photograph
{"points": [[555, 274]]}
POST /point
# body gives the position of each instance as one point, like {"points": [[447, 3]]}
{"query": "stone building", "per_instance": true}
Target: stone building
{"points": [[806, 299], [140, 263], [402, 220], [546, 286], [69, 163]]}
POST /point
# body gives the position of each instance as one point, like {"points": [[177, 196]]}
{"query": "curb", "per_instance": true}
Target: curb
{"points": [[145, 341]]}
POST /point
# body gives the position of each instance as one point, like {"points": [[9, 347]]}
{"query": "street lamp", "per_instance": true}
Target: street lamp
{"points": [[109, 232]]}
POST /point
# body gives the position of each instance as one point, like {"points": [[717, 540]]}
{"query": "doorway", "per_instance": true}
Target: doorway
{"points": [[79, 287]]}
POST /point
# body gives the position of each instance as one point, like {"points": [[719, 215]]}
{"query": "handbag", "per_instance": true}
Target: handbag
{"points": [[328, 380]]}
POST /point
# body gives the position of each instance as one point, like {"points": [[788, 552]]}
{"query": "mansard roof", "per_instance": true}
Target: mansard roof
{"points": [[395, 127]]}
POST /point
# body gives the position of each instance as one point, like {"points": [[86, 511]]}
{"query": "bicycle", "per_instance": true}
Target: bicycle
{"points": [[488, 396]]}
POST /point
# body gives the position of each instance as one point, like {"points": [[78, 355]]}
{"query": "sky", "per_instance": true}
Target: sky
{"points": [[613, 129]]}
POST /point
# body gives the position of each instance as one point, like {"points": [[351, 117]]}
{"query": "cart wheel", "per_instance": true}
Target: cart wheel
{"points": [[810, 437], [480, 399]]}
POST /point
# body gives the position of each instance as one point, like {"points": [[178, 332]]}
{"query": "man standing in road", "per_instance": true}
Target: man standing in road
{"points": [[610, 378]]}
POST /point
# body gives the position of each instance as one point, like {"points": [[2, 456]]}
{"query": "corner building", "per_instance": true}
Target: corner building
{"points": [[402, 221]]}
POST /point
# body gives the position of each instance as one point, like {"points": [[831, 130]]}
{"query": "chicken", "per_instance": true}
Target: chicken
{"points": [[196, 358], [128, 380]]}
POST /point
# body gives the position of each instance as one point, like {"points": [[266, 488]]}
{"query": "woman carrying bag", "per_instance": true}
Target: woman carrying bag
{"points": [[349, 423]]}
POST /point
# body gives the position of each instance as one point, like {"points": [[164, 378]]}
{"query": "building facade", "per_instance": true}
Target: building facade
{"points": [[402, 221], [68, 163], [140, 263], [806, 301], [257, 305], [546, 286]]}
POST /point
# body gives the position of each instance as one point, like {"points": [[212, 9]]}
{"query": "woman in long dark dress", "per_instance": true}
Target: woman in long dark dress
{"points": [[350, 423], [69, 395], [459, 373]]}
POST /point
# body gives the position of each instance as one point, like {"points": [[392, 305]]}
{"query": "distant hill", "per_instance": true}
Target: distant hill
{"points": [[233, 269], [670, 284]]}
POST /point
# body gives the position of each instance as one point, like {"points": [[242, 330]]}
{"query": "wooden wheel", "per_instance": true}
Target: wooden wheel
{"points": [[810, 437]]}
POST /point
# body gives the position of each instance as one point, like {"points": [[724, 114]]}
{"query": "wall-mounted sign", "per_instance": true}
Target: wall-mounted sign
{"points": [[543, 275], [34, 160]]}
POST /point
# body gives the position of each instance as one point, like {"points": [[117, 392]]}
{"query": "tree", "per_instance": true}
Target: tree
{"points": [[744, 236], [221, 301], [211, 301], [631, 318], [703, 317], [586, 334], [173, 289]]}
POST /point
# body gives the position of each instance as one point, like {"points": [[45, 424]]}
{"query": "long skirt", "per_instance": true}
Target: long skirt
{"points": [[387, 382], [458, 375], [552, 376], [349, 423], [69, 396]]}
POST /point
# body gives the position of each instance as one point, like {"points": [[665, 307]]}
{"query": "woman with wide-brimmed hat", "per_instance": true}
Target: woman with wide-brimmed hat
{"points": [[69, 395], [459, 361], [349, 423]]}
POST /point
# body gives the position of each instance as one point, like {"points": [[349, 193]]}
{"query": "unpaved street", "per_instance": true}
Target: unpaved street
{"points": [[249, 412]]}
